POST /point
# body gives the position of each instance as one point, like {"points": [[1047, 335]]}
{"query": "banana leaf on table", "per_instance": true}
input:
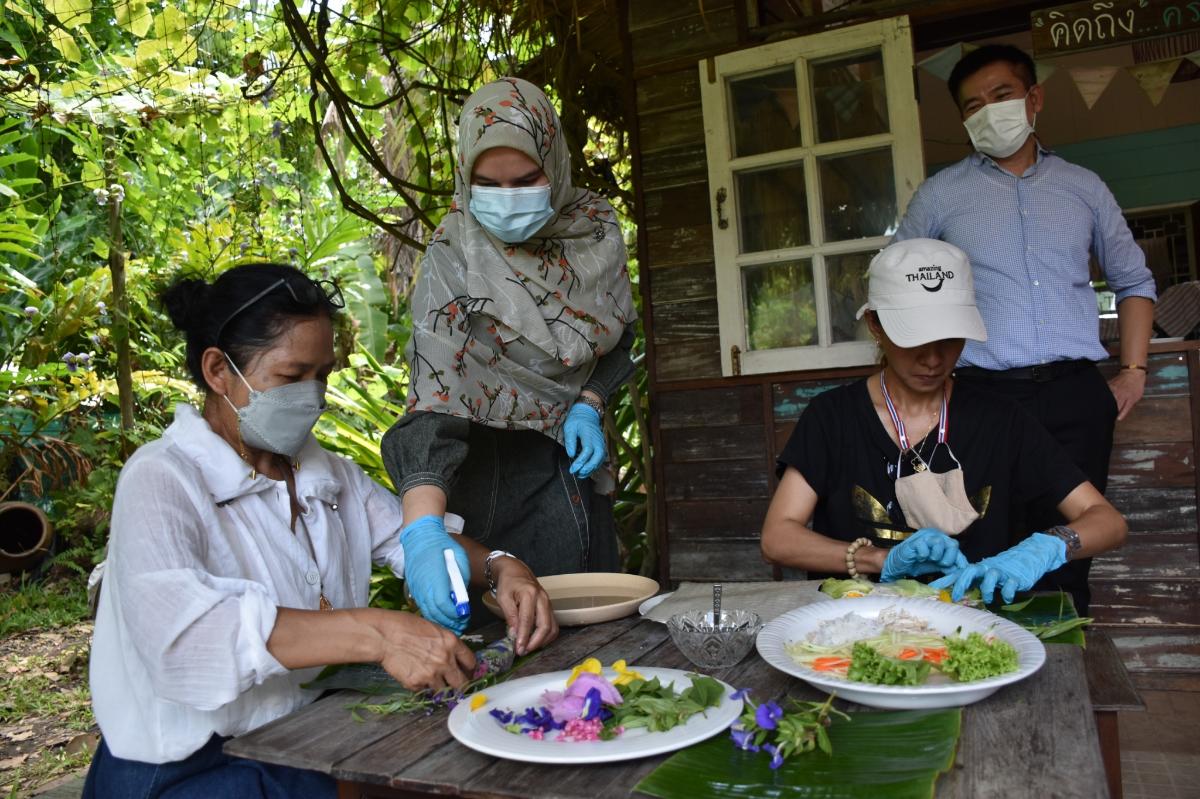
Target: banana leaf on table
{"points": [[1051, 617], [876, 755]]}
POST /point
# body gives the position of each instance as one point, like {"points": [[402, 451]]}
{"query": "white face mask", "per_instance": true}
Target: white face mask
{"points": [[279, 419], [928, 499], [999, 129]]}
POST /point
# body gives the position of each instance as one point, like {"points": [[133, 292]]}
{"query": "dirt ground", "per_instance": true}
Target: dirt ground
{"points": [[46, 724]]}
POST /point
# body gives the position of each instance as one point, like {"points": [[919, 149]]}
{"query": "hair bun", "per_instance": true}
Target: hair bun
{"points": [[186, 301]]}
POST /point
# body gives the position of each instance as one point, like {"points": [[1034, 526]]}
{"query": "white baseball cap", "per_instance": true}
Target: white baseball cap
{"points": [[923, 291]]}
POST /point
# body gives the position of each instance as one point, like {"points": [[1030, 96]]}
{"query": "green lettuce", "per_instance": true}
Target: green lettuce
{"points": [[977, 658], [867, 665]]}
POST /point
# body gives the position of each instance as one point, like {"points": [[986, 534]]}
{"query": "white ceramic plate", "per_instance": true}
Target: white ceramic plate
{"points": [[590, 597], [945, 618], [653, 602], [480, 731]]}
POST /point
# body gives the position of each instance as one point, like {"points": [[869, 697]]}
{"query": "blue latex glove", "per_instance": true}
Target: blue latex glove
{"points": [[925, 551], [1015, 569], [425, 570], [582, 432]]}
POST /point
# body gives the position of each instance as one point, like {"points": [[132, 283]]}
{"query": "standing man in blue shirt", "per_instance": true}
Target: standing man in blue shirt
{"points": [[1029, 221]]}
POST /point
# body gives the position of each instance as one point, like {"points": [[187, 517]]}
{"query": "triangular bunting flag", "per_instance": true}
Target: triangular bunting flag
{"points": [[942, 64], [1091, 82], [1194, 57], [1044, 70], [1155, 77]]}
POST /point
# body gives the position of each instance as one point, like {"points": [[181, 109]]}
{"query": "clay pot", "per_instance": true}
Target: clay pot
{"points": [[26, 536]]}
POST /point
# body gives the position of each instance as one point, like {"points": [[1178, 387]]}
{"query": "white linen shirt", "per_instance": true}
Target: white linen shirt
{"points": [[199, 558]]}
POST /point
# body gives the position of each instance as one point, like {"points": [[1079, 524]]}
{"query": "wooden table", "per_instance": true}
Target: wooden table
{"points": [[1035, 738]]}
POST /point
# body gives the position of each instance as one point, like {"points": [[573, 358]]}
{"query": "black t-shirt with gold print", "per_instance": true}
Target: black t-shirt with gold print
{"points": [[846, 455]]}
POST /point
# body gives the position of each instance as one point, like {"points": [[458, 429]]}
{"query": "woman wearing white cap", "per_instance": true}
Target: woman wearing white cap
{"points": [[905, 473]]}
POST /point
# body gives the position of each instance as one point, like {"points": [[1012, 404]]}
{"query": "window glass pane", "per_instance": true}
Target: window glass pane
{"points": [[780, 311], [765, 113], [847, 279], [850, 97], [858, 195], [772, 208]]}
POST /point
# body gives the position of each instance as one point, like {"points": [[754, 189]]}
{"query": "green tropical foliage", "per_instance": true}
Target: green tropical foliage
{"points": [[144, 139]]}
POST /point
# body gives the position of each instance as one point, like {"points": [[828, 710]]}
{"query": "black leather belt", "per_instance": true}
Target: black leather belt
{"points": [[1042, 373]]}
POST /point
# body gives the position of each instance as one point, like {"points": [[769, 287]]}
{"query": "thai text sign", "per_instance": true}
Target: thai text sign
{"points": [[1103, 23]]}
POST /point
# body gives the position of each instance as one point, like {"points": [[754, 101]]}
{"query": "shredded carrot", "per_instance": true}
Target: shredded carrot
{"points": [[831, 664], [934, 654], [910, 654]]}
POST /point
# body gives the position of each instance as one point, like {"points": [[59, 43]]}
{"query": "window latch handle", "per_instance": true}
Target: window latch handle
{"points": [[722, 195]]}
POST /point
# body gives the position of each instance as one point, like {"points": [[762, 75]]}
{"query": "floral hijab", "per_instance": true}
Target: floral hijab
{"points": [[507, 334]]}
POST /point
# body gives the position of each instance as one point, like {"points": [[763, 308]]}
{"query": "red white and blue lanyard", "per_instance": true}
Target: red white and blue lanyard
{"points": [[943, 421]]}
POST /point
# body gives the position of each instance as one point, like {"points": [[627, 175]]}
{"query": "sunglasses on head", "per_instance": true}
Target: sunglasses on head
{"points": [[307, 293]]}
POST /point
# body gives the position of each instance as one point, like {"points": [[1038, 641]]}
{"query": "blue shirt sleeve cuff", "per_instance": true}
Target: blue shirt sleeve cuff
{"points": [[1143, 290]]}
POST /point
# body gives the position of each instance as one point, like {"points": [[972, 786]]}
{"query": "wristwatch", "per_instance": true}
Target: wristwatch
{"points": [[487, 567], [593, 403], [1068, 536]]}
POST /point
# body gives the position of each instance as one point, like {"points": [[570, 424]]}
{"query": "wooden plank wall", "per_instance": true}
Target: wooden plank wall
{"points": [[667, 40], [716, 439], [1147, 594]]}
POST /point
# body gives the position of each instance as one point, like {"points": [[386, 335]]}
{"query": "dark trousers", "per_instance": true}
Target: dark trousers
{"points": [[207, 773], [515, 492], [1079, 411]]}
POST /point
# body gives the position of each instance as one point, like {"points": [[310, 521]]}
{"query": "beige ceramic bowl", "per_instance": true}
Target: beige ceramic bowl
{"points": [[592, 597]]}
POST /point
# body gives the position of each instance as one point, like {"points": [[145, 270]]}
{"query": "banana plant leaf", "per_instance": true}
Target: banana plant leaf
{"points": [[1043, 614], [369, 678], [876, 755]]}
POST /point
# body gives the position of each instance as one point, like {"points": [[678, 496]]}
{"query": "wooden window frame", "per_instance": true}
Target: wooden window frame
{"points": [[893, 37]]}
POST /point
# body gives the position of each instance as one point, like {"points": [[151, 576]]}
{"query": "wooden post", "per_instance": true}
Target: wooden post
{"points": [[120, 327]]}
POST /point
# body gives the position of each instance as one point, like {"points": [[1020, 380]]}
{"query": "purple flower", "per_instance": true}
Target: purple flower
{"points": [[538, 718], [592, 706], [572, 703], [776, 756], [101, 307], [69, 360], [30, 311], [95, 337], [502, 716], [84, 358], [768, 714], [743, 739], [741, 693]]}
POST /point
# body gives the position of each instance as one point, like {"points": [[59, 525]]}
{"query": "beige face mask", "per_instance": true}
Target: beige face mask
{"points": [[929, 499], [935, 500]]}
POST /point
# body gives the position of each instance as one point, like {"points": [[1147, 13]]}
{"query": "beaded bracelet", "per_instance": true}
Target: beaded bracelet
{"points": [[858, 544]]}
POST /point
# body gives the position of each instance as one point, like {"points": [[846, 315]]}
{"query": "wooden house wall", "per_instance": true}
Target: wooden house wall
{"points": [[716, 438]]}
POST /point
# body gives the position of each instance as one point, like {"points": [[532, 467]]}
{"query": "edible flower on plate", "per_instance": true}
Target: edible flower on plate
{"points": [[595, 707]]}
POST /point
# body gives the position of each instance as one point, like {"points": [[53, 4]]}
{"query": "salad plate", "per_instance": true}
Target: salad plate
{"points": [[943, 619], [479, 730]]}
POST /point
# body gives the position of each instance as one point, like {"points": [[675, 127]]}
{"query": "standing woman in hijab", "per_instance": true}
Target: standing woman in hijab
{"points": [[523, 320]]}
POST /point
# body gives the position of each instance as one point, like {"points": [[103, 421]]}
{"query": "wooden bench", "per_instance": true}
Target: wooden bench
{"points": [[1111, 690]]}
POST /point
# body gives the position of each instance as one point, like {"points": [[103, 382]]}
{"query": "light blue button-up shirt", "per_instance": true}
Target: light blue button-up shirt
{"points": [[1029, 239]]}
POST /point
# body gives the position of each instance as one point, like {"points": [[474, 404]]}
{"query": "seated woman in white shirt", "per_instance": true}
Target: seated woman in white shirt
{"points": [[240, 557]]}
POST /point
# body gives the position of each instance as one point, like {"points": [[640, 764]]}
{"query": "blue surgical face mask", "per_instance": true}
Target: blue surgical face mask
{"points": [[280, 418], [511, 215]]}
